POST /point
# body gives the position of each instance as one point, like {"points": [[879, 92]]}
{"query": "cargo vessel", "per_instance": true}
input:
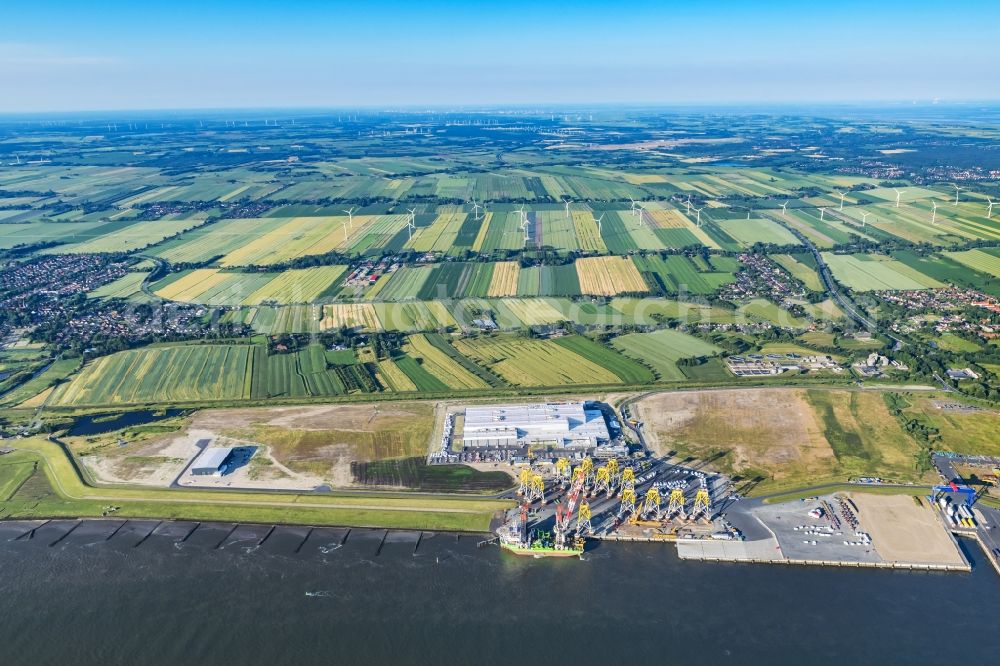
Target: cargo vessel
{"points": [[535, 543]]}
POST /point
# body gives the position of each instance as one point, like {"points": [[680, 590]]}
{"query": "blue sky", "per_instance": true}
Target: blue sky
{"points": [[61, 56]]}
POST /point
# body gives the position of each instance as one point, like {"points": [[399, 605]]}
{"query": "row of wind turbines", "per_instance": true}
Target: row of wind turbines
{"points": [[638, 212]]}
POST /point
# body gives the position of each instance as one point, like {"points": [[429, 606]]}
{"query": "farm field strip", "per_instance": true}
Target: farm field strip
{"points": [[661, 350], [440, 365], [157, 374], [609, 276], [504, 280], [984, 261], [864, 273], [527, 362]]}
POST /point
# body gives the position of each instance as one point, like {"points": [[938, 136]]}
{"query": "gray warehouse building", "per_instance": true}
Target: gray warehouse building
{"points": [[212, 461], [562, 425]]}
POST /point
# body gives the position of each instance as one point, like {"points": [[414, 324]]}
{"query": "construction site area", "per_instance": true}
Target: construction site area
{"points": [[561, 504]]}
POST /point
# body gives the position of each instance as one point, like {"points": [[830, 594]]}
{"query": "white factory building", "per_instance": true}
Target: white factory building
{"points": [[561, 425]]}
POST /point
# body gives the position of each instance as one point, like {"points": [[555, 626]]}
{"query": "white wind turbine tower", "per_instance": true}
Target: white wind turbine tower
{"points": [[411, 224], [350, 216], [864, 218], [783, 206], [567, 209], [633, 205], [697, 212], [749, 210], [475, 208], [599, 228], [822, 212], [841, 199], [898, 194], [689, 204], [989, 211], [934, 213], [957, 188]]}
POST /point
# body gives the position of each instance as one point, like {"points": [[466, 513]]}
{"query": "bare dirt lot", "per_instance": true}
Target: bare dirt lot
{"points": [[767, 428], [785, 436], [905, 532], [298, 447]]}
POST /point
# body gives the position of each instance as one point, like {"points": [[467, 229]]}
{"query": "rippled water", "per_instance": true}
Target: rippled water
{"points": [[110, 593]]}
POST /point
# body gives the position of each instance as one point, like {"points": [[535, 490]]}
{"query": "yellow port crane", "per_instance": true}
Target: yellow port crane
{"points": [[602, 480], [524, 482], [628, 479], [675, 506], [563, 469], [651, 504], [702, 504], [583, 525], [536, 489], [588, 470], [614, 473], [628, 502]]}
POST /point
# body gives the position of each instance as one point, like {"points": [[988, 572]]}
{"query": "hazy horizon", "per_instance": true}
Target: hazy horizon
{"points": [[306, 54]]}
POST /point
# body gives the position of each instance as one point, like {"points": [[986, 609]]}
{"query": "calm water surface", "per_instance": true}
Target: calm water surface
{"points": [[110, 593]]}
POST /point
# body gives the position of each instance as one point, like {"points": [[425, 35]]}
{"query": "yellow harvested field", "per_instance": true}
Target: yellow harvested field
{"points": [[350, 315], [668, 219], [299, 236], [587, 233], [441, 365], [440, 236], [534, 311], [504, 280], [298, 285], [609, 276], [192, 285]]}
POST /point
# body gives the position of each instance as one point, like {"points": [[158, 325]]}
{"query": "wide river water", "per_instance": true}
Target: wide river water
{"points": [[214, 596]]}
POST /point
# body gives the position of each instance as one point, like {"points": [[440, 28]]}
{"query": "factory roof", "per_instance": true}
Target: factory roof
{"points": [[212, 458]]}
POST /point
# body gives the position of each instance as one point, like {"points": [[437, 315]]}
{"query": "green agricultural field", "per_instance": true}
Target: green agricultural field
{"points": [[871, 273], [627, 370], [675, 274], [529, 362], [661, 350], [134, 237], [127, 286], [758, 230], [986, 260], [56, 372], [801, 271], [172, 373]]}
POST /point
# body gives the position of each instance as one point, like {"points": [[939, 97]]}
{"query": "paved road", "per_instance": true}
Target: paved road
{"points": [[831, 286]]}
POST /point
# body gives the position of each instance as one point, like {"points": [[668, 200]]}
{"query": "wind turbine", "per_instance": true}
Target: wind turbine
{"points": [[957, 188], [898, 193], [413, 218], [841, 199], [989, 211], [633, 205], [749, 210], [475, 208], [689, 204], [600, 230], [697, 212], [864, 218], [350, 216], [934, 213], [822, 212], [639, 211], [783, 206], [567, 209]]}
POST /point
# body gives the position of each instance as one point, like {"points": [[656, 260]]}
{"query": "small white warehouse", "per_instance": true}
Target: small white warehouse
{"points": [[563, 425]]}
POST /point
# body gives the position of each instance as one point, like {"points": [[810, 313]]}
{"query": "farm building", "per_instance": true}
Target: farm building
{"points": [[563, 425], [212, 461]]}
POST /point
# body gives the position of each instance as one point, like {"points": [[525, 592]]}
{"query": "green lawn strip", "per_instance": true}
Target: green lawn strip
{"points": [[73, 497]]}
